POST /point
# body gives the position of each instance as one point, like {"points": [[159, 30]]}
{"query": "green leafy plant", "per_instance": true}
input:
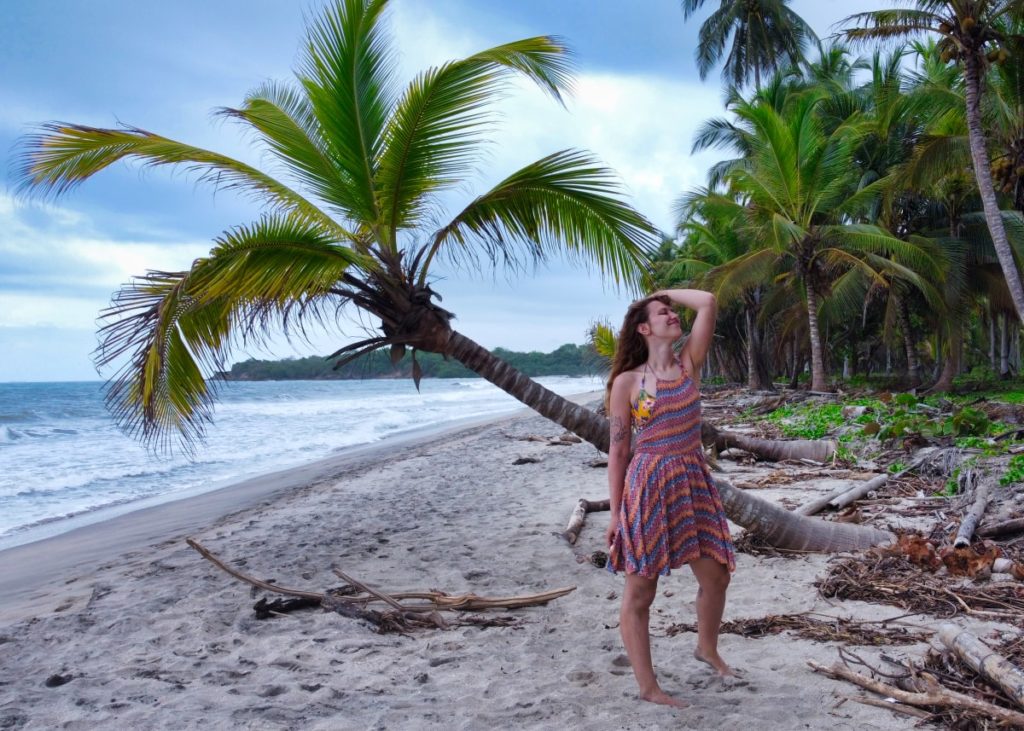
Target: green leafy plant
{"points": [[1014, 471]]}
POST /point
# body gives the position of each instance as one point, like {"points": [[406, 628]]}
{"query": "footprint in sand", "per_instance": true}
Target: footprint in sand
{"points": [[582, 678], [710, 680]]}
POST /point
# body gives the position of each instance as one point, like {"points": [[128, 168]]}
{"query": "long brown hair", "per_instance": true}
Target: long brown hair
{"points": [[630, 347]]}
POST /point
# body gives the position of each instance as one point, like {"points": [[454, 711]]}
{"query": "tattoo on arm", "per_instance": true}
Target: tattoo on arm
{"points": [[620, 430]]}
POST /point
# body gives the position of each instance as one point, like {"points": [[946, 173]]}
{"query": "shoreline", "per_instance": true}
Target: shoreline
{"points": [[28, 569]]}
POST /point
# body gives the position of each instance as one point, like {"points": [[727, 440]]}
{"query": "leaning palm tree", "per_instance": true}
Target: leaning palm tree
{"points": [[766, 35], [354, 226], [973, 33], [353, 230]]}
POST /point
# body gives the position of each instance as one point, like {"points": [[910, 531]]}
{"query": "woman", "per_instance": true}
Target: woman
{"points": [[666, 511]]}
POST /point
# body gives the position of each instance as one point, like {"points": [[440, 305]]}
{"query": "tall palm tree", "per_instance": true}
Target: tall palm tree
{"points": [[766, 35], [367, 162], [799, 207], [970, 30], [353, 230]]}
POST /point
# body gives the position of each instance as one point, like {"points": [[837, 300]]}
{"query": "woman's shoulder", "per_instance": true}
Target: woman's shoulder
{"points": [[626, 382]]}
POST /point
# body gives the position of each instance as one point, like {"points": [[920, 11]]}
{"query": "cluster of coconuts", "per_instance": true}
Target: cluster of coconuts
{"points": [[1006, 171], [969, 27]]}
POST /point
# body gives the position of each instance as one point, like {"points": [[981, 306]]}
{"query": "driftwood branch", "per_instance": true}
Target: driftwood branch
{"points": [[437, 600], [850, 496], [579, 517], [1005, 528], [967, 526], [992, 666], [935, 696], [818, 504], [843, 496], [249, 579]]}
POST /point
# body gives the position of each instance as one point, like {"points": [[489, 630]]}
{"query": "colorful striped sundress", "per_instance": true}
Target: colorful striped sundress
{"points": [[671, 512]]}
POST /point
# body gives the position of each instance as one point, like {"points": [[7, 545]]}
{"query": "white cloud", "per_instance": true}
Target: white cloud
{"points": [[58, 268]]}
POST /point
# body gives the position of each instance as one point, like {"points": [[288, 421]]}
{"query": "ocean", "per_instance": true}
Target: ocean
{"points": [[63, 461]]}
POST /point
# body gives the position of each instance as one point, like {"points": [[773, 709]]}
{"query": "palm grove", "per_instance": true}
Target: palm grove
{"points": [[848, 212]]}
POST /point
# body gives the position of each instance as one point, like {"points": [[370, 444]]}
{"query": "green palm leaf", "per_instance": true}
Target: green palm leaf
{"points": [[562, 204], [68, 154], [432, 136], [174, 327], [284, 120], [348, 74]]}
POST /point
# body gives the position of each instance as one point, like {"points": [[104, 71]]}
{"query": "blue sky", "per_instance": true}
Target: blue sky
{"points": [[165, 66]]}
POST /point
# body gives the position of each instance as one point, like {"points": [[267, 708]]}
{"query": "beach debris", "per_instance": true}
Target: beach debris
{"points": [[886, 577], [401, 617], [526, 460], [818, 627], [928, 694], [982, 494], [1004, 528], [773, 450], [971, 561], [983, 660], [579, 517]]}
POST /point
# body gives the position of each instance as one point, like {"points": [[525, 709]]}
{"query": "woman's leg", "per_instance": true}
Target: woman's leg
{"points": [[712, 582], [634, 624]]}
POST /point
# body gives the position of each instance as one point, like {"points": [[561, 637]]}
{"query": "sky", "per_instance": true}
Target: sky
{"points": [[165, 67]]}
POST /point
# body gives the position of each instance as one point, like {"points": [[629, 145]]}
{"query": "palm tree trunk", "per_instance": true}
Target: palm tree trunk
{"points": [[950, 368], [577, 419], [774, 524], [991, 342], [819, 382], [1004, 347], [754, 382], [979, 157]]}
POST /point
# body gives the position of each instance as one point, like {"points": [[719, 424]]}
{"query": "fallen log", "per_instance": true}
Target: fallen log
{"points": [[818, 504], [990, 665], [579, 517], [982, 496], [1005, 528], [782, 528], [875, 483], [773, 450], [935, 696]]}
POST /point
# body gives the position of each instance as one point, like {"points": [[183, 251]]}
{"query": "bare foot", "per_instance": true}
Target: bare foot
{"points": [[660, 696], [717, 663]]}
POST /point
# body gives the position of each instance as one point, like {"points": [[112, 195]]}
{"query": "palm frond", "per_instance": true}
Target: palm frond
{"points": [[284, 120], [348, 74], [566, 203], [894, 24], [433, 135], [603, 338], [65, 155], [177, 328]]}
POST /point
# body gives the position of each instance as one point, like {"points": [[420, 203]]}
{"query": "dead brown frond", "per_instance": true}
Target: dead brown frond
{"points": [[894, 580]]}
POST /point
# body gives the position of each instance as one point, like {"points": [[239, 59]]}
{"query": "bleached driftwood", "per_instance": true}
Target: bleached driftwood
{"points": [[983, 660], [1004, 528], [875, 483], [818, 504], [982, 496], [579, 517], [936, 695], [437, 599]]}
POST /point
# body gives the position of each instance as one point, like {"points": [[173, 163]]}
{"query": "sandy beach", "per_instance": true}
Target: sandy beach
{"points": [[123, 626]]}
